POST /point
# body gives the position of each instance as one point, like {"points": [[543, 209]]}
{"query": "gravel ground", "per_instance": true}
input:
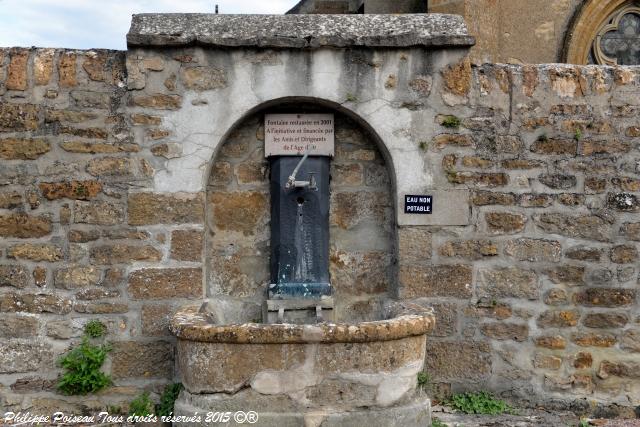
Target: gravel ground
{"points": [[525, 418]]}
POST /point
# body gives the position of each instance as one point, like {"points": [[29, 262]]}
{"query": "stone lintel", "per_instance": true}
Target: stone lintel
{"points": [[299, 31]]}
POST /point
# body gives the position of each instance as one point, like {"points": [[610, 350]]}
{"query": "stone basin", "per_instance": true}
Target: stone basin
{"points": [[328, 374]]}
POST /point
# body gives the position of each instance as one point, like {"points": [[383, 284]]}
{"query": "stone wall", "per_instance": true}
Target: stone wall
{"points": [[75, 236], [104, 196]]}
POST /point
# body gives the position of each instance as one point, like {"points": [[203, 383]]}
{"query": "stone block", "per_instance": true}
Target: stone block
{"points": [[631, 231], [488, 179], [505, 331], [491, 309], [91, 99], [567, 275], [36, 252], [98, 212], [186, 245], [488, 198], [505, 222], [349, 175], [583, 360], [15, 276], [165, 283], [10, 200], [551, 342], [630, 340], [68, 116], [111, 166], [155, 319], [243, 212], [590, 339], [157, 101], [349, 209], [79, 190], [436, 281], [457, 78], [558, 181], [235, 366], [130, 359], [101, 307], [360, 273], [450, 139], [34, 303], [458, 360], [589, 227], [146, 120], [24, 226], [558, 319], [507, 282], [556, 297], [94, 66], [624, 369], [177, 208], [203, 78], [535, 200], [67, 69], [23, 149], [606, 297], [624, 254], [240, 275], [17, 73], [469, 249], [414, 244], [18, 326], [546, 361], [124, 254], [40, 276], [98, 148], [77, 277], [19, 117], [584, 253], [567, 147], [534, 250], [24, 356]]}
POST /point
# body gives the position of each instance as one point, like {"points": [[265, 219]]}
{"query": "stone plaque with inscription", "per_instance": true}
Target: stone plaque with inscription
{"points": [[297, 134]]}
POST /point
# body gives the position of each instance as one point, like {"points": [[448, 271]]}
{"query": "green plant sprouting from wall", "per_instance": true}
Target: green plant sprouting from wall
{"points": [[141, 406], [577, 134], [168, 399], [479, 403], [82, 369], [451, 122], [424, 380], [95, 329]]}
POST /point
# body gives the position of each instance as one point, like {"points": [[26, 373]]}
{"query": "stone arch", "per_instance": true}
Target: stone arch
{"points": [[587, 21], [363, 243]]}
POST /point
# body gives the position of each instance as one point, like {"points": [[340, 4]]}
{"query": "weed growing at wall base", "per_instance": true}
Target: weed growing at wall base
{"points": [[82, 366], [479, 403]]}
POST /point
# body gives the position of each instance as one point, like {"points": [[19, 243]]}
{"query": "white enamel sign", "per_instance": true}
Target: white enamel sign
{"points": [[297, 134]]}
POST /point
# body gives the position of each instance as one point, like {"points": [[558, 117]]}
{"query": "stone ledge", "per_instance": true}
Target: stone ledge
{"points": [[299, 31], [191, 324]]}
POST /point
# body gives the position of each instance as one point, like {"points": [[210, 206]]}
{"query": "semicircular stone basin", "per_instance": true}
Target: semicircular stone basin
{"points": [[327, 374]]}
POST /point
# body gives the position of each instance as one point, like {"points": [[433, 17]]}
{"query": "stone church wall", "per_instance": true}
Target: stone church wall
{"points": [[102, 215]]}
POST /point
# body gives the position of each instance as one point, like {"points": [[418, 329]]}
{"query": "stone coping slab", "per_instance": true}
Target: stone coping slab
{"points": [[299, 31], [407, 320]]}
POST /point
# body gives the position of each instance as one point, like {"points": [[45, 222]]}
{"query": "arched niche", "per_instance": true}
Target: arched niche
{"points": [[587, 23], [363, 255]]}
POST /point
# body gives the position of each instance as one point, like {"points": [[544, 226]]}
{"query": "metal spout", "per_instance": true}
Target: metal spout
{"points": [[292, 183]]}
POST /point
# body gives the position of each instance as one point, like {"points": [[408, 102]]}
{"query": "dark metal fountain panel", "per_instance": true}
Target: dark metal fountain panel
{"points": [[299, 229]]}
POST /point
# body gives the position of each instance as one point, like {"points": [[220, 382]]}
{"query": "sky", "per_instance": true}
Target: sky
{"points": [[88, 24]]}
